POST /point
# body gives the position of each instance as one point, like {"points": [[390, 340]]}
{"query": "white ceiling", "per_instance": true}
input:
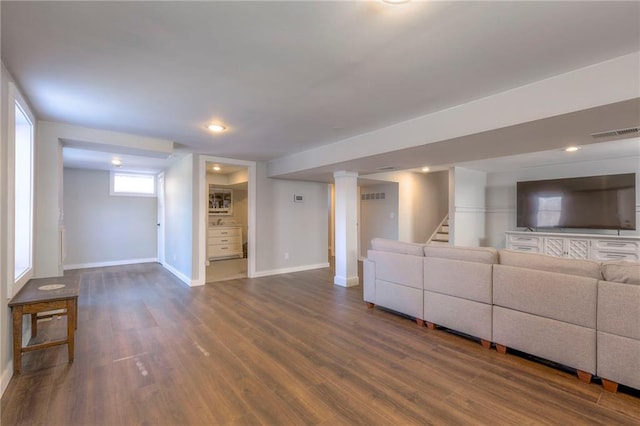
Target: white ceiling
{"points": [[290, 76]]}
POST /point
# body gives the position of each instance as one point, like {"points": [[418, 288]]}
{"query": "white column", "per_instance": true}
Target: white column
{"points": [[346, 237]]}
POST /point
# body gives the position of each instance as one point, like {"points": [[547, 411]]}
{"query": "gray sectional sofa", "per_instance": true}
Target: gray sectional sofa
{"points": [[579, 313]]}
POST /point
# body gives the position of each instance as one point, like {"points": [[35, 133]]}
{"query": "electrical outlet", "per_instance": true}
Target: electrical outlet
{"points": [[286, 256], [174, 256]]}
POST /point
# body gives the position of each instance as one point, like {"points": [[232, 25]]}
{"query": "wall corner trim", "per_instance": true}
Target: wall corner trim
{"points": [[7, 373], [289, 270], [182, 277]]}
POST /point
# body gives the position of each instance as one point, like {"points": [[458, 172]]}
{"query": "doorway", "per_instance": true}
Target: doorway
{"points": [[228, 213]]}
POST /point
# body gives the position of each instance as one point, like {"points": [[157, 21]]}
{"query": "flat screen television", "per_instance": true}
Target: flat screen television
{"points": [[593, 202]]}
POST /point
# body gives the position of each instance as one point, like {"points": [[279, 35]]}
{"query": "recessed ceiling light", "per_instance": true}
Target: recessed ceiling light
{"points": [[395, 1], [425, 169], [216, 168], [116, 162], [571, 149], [216, 128]]}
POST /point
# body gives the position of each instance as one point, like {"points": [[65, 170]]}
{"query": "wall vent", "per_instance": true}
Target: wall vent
{"points": [[619, 132], [372, 196], [386, 168]]}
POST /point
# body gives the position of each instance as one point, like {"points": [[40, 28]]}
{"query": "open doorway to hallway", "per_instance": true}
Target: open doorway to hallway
{"points": [[226, 193]]}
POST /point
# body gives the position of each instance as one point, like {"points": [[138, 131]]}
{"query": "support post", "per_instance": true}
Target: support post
{"points": [[346, 237]]}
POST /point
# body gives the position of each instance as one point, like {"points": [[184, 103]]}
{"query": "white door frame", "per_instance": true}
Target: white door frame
{"points": [[161, 216], [203, 209]]}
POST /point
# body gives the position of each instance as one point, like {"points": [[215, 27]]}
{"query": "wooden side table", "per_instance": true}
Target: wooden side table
{"points": [[43, 295]]}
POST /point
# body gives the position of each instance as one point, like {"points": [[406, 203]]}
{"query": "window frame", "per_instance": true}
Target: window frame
{"points": [[16, 100], [114, 173]]}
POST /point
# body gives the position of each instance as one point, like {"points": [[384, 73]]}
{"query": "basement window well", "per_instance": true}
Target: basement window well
{"points": [[133, 184]]}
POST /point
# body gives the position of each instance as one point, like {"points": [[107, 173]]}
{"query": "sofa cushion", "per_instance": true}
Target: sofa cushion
{"points": [[394, 246], [624, 271], [583, 268], [468, 254]]}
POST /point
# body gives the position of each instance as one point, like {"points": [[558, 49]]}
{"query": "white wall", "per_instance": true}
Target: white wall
{"points": [[501, 192], [378, 217], [299, 229], [179, 218], [467, 215], [101, 229]]}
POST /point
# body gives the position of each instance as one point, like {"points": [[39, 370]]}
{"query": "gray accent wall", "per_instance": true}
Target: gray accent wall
{"points": [[378, 217], [299, 229], [104, 228]]}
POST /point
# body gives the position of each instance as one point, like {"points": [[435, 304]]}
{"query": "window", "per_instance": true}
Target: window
{"points": [[133, 184], [23, 149]]}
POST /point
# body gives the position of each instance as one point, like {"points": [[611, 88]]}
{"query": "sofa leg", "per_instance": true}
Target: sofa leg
{"points": [[583, 376], [501, 349], [485, 343], [430, 325], [370, 305], [609, 386], [419, 322]]}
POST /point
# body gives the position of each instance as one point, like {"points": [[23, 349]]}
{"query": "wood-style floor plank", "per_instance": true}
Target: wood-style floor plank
{"points": [[288, 349]]}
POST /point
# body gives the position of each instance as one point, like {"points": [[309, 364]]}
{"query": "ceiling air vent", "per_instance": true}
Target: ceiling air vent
{"points": [[619, 132], [385, 168]]}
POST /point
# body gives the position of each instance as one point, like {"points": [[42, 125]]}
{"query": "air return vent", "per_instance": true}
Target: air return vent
{"points": [[385, 168], [619, 132]]}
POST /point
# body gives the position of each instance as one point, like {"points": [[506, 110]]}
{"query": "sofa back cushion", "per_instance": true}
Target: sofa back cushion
{"points": [[397, 268], [467, 254], [562, 297], [393, 246], [621, 272], [583, 268]]}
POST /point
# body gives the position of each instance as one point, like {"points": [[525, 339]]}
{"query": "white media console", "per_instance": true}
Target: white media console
{"points": [[576, 246]]}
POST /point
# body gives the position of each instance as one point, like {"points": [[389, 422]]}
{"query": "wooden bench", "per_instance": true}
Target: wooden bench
{"points": [[44, 295]]}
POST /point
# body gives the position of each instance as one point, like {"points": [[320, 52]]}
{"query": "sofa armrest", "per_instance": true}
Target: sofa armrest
{"points": [[619, 309], [369, 281]]}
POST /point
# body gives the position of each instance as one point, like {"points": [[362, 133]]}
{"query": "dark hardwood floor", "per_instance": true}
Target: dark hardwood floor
{"points": [[287, 349]]}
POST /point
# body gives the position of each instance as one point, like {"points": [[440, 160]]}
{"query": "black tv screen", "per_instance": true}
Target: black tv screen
{"points": [[600, 202]]}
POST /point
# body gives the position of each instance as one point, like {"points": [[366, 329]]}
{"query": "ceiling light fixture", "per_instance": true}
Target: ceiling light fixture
{"points": [[216, 168], [395, 1], [571, 149], [116, 162], [216, 128], [425, 169]]}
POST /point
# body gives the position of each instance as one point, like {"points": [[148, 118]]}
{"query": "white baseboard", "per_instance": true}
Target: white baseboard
{"points": [[110, 263], [289, 270], [7, 373], [182, 277]]}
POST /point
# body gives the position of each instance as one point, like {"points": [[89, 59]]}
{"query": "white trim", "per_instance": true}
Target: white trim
{"points": [[182, 277], [289, 270], [346, 281], [470, 209], [7, 373], [111, 263]]}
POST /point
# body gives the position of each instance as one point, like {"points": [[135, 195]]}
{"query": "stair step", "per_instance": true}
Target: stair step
{"points": [[441, 240], [438, 243], [442, 236]]}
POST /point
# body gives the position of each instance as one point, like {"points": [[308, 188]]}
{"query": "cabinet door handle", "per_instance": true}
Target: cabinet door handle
{"points": [[609, 244], [615, 256]]}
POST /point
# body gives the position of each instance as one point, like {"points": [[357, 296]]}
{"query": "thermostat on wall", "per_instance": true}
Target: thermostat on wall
{"points": [[298, 198]]}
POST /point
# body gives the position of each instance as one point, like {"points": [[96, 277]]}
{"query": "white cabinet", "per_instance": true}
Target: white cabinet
{"points": [[224, 242], [576, 246], [571, 247]]}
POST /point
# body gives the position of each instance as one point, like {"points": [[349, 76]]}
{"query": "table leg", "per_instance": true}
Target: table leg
{"points": [[71, 326], [17, 339], [34, 325]]}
